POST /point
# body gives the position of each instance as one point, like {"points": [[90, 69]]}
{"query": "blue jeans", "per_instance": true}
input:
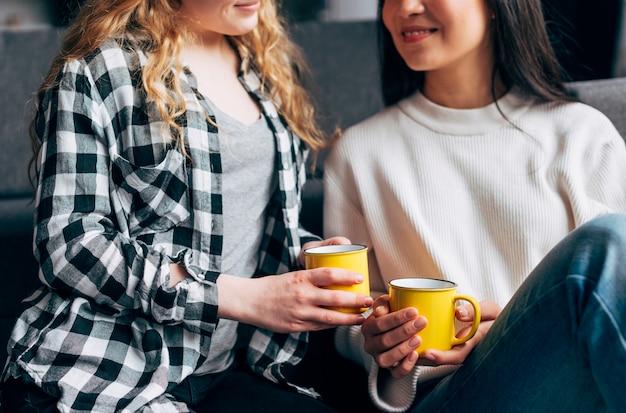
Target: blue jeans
{"points": [[559, 345]]}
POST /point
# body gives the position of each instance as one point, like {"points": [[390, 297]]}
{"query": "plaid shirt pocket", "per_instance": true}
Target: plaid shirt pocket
{"points": [[154, 198]]}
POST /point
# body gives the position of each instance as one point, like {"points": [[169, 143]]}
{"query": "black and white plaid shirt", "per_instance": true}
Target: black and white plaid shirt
{"points": [[117, 202]]}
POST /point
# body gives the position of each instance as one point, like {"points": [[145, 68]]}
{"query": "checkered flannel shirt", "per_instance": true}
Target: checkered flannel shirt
{"points": [[116, 203]]}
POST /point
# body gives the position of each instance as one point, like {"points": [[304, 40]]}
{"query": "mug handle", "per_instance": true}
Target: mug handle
{"points": [[475, 323]]}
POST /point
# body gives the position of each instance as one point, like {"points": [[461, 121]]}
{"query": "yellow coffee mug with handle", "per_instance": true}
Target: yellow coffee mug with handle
{"points": [[347, 256], [436, 300]]}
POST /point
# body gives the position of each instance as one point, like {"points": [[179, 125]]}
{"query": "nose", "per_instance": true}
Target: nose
{"points": [[410, 8]]}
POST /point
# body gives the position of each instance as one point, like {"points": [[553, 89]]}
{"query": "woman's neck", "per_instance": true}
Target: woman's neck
{"points": [[462, 90], [211, 57], [216, 65]]}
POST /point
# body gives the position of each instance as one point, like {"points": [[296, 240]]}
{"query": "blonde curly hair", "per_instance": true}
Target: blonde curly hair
{"points": [[276, 57]]}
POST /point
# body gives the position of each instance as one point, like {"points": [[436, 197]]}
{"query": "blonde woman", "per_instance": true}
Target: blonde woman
{"points": [[171, 143]]}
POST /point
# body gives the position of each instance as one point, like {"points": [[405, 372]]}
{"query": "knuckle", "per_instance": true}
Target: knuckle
{"points": [[299, 296], [327, 317], [371, 346], [408, 329], [299, 278], [386, 341], [366, 326], [335, 297], [382, 361], [326, 272]]}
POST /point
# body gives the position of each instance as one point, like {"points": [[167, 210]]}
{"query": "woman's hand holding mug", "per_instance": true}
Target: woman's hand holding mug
{"points": [[396, 334]]}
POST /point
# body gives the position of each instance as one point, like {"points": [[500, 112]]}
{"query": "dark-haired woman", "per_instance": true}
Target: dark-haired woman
{"points": [[483, 170]]}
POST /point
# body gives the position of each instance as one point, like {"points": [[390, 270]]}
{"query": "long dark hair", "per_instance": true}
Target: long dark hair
{"points": [[523, 55]]}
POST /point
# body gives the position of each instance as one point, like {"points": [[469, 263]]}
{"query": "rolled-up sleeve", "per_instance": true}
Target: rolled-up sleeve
{"points": [[85, 239]]}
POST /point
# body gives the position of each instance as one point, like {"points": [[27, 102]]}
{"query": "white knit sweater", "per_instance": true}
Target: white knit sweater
{"points": [[467, 195]]}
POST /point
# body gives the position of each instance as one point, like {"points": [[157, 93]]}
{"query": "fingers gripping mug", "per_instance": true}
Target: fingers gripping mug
{"points": [[436, 300], [348, 256]]}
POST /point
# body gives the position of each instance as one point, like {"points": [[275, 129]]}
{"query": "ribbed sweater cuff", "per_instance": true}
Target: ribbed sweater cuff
{"points": [[388, 394]]}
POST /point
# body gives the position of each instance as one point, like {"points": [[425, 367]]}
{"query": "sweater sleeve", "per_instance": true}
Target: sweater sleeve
{"points": [[607, 182], [593, 166], [343, 212]]}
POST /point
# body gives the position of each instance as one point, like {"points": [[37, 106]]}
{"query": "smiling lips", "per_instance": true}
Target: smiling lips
{"points": [[249, 5], [412, 35]]}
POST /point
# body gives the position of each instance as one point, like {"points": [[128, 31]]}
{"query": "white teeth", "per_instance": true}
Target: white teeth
{"points": [[415, 33]]}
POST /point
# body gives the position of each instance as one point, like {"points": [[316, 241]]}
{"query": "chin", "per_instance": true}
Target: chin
{"points": [[420, 64], [242, 29]]}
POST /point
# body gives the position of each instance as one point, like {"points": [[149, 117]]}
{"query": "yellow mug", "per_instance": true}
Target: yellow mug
{"points": [[348, 256], [434, 299]]}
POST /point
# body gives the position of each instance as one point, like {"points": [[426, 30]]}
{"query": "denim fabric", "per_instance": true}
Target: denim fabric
{"points": [[559, 345]]}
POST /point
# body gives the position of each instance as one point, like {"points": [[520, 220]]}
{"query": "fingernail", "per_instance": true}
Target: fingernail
{"points": [[414, 342], [412, 357], [411, 313], [379, 310], [463, 312], [419, 323], [369, 301]]}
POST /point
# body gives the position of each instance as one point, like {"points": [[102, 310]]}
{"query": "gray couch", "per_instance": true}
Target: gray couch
{"points": [[24, 58], [344, 83]]}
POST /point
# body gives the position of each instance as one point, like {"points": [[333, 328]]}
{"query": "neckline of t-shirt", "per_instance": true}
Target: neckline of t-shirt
{"points": [[220, 114]]}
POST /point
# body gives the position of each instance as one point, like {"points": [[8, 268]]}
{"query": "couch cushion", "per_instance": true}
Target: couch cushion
{"points": [[25, 56], [344, 81], [607, 95], [343, 59]]}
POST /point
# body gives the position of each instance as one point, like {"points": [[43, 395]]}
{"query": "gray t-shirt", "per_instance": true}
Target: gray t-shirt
{"points": [[248, 179]]}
